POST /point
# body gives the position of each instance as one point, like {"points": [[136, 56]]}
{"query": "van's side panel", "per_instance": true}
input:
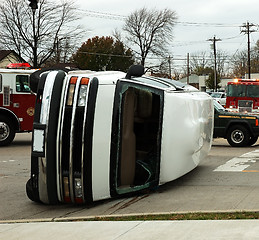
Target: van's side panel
{"points": [[101, 142]]}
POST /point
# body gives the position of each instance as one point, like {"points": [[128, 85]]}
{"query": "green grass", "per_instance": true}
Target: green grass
{"points": [[185, 216]]}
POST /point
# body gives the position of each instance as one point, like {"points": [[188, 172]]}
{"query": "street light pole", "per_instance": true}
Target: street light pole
{"points": [[34, 5]]}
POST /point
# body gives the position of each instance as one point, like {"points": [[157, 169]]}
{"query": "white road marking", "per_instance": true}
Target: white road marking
{"points": [[239, 164], [5, 161]]}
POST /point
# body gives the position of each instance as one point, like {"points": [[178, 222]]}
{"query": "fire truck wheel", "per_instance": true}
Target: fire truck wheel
{"points": [[252, 140], [7, 131], [238, 136]]}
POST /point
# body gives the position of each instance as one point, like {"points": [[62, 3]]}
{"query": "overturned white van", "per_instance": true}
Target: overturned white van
{"points": [[100, 134]]}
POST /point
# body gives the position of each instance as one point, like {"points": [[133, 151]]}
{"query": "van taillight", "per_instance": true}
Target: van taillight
{"points": [[71, 90], [66, 190]]}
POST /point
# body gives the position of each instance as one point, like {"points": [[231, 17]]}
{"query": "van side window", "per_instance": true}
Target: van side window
{"points": [[1, 83], [22, 83]]}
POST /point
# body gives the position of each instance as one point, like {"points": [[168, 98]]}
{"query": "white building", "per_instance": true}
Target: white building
{"points": [[196, 81]]}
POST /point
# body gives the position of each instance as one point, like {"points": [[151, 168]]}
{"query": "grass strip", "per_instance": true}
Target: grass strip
{"points": [[185, 216]]}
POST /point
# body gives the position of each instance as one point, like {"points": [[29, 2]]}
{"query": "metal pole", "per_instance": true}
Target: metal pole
{"points": [[34, 5], [169, 61], [215, 64], [35, 64], [188, 68], [247, 31], [248, 51], [214, 40]]}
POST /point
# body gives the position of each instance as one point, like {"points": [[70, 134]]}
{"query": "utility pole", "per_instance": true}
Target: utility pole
{"points": [[247, 30], [169, 62], [188, 68], [214, 40]]}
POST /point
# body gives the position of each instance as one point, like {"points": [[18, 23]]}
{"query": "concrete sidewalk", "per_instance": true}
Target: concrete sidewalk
{"points": [[106, 230]]}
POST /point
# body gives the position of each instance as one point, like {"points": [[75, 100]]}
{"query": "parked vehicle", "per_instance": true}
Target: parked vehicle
{"points": [[240, 130], [220, 97], [243, 96], [100, 134], [16, 103]]}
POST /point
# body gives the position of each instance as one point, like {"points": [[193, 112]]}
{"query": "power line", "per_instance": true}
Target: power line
{"points": [[181, 44], [104, 54], [205, 24], [121, 17], [105, 15]]}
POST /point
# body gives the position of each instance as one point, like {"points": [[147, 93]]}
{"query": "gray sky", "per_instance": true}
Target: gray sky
{"points": [[198, 21]]}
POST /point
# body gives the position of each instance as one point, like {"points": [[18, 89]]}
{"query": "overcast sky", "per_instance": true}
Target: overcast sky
{"points": [[198, 21]]}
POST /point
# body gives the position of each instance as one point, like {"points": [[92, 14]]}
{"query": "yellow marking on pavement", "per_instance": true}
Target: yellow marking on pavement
{"points": [[250, 171]]}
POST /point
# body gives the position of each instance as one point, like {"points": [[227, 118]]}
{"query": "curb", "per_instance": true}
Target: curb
{"points": [[95, 218]]}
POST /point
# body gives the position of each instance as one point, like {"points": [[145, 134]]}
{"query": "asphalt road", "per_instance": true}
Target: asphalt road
{"points": [[227, 180]]}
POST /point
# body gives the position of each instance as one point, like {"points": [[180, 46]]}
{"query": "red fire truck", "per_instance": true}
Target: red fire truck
{"points": [[243, 96], [16, 103]]}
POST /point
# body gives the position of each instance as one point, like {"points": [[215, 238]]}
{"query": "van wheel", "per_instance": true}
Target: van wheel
{"points": [[32, 195], [7, 131], [238, 136]]}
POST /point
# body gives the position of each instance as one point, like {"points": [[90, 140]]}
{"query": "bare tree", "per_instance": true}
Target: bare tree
{"points": [[199, 63], [150, 30], [239, 61], [222, 58], [34, 35], [202, 64]]}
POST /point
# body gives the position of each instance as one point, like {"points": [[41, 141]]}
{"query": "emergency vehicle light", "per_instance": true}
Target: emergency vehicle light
{"points": [[18, 65], [241, 80]]}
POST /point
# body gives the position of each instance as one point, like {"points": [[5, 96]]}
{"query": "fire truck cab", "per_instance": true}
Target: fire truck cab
{"points": [[16, 104], [243, 96]]}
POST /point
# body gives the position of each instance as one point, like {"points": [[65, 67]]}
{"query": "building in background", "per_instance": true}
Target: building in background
{"points": [[196, 81], [9, 56]]}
